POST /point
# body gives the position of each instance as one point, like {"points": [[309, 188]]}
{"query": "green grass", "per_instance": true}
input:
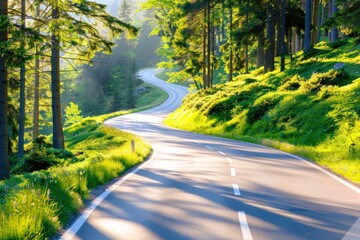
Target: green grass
{"points": [[35, 205], [289, 110]]}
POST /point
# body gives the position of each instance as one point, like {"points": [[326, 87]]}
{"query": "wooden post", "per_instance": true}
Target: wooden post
{"points": [[132, 145]]}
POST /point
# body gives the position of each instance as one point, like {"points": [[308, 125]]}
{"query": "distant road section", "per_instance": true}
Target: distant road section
{"points": [[203, 187]]}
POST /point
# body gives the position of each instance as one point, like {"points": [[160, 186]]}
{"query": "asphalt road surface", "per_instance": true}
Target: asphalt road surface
{"points": [[204, 187]]}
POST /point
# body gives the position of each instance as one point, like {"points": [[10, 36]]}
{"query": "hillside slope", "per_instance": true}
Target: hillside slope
{"points": [[311, 109]]}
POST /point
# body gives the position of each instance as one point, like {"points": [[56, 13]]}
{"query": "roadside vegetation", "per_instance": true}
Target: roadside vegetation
{"points": [[311, 109], [48, 186]]}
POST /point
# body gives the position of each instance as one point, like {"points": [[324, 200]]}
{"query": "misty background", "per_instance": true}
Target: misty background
{"points": [[109, 83]]}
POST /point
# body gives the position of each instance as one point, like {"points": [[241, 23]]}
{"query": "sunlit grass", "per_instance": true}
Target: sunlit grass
{"points": [[34, 206], [258, 108]]}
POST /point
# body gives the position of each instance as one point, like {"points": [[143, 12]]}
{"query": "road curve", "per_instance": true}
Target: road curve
{"points": [[203, 187]]}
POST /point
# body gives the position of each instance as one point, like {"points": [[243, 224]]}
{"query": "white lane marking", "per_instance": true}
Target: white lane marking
{"points": [[208, 147], [354, 232], [349, 185], [330, 174], [233, 172], [75, 227], [228, 159], [236, 190], [222, 153], [244, 226]]}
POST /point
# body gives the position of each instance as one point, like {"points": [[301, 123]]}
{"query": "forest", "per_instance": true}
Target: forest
{"points": [[56, 65], [283, 73]]}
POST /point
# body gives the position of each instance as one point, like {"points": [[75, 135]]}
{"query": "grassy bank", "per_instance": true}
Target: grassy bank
{"points": [[310, 109], [36, 203]]}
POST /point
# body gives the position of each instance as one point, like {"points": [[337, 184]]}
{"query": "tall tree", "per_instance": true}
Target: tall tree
{"points": [[36, 87], [282, 35], [269, 64], [4, 154], [58, 134], [334, 30], [231, 58], [21, 140], [307, 37]]}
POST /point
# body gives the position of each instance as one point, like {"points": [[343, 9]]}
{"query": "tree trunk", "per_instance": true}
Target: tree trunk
{"points": [[334, 30], [22, 87], [36, 88], [223, 20], [36, 97], [329, 15], [320, 31], [208, 80], [213, 54], [231, 57], [58, 135], [314, 36], [260, 56], [278, 28], [270, 38], [307, 38], [282, 36], [246, 44], [4, 145], [204, 49], [290, 42]]}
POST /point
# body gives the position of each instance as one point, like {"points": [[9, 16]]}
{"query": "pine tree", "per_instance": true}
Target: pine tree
{"points": [[4, 155]]}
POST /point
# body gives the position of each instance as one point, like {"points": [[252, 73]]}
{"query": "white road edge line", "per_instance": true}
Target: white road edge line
{"points": [[236, 190], [208, 147], [244, 226], [354, 232], [222, 153], [75, 227], [228, 159], [349, 185], [233, 172], [330, 174]]}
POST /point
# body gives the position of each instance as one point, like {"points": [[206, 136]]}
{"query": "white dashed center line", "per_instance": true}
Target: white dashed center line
{"points": [[236, 190], [222, 153], [233, 172], [208, 147], [244, 226]]}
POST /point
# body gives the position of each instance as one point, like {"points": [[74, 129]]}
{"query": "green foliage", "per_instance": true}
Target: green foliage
{"points": [[72, 114], [344, 114], [261, 107], [292, 84], [332, 77]]}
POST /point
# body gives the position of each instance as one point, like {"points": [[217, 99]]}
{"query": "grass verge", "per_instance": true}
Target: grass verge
{"points": [[311, 109], [35, 205]]}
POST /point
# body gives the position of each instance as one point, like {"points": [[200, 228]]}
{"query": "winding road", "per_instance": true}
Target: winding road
{"points": [[204, 187]]}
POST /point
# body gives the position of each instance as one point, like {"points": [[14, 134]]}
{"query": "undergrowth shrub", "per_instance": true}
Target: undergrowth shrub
{"points": [[332, 77], [40, 156], [261, 107], [292, 84], [326, 92]]}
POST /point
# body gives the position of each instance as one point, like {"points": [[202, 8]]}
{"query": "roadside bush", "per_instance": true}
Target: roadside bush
{"points": [[43, 158]]}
